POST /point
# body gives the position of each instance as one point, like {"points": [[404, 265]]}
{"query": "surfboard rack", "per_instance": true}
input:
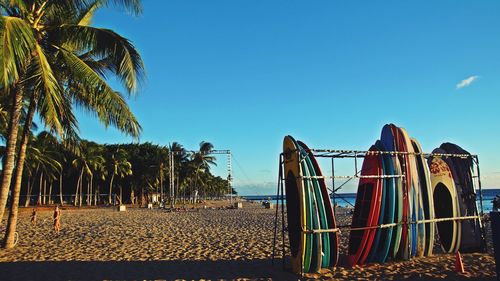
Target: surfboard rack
{"points": [[333, 154]]}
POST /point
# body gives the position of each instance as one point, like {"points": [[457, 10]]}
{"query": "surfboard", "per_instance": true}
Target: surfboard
{"points": [[407, 230], [418, 230], [428, 200], [382, 241], [312, 261], [457, 190], [388, 140], [333, 251], [472, 239], [396, 239], [366, 210], [295, 205], [389, 201], [375, 248], [444, 193], [321, 244]]}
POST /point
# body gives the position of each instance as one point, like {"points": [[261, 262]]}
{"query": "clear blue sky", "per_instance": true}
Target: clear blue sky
{"points": [[243, 74]]}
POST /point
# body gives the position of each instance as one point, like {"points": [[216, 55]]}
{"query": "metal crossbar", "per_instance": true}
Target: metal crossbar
{"points": [[353, 177], [359, 153], [349, 228]]}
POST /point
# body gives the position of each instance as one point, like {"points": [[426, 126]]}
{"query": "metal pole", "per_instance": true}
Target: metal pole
{"points": [[333, 185], [283, 228], [479, 185], [355, 163], [229, 177], [481, 224], [276, 215], [172, 174]]}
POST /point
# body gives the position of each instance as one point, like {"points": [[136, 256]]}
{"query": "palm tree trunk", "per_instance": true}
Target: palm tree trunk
{"points": [[91, 193], [12, 221], [161, 183], [10, 148], [61, 201], [95, 195], [39, 200], [81, 193], [110, 188], [28, 193], [44, 191], [77, 187], [50, 191], [88, 192]]}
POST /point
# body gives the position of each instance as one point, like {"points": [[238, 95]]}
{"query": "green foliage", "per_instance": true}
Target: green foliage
{"points": [[137, 168]]}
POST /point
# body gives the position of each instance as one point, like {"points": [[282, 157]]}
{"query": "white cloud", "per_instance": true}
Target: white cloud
{"points": [[467, 81]]}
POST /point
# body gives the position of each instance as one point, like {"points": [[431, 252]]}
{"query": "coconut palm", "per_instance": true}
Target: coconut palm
{"points": [[81, 164], [181, 157], [87, 162], [54, 57], [43, 160], [200, 162], [96, 163], [120, 167]]}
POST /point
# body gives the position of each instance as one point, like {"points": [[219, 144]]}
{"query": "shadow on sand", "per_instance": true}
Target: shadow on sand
{"points": [[143, 270]]}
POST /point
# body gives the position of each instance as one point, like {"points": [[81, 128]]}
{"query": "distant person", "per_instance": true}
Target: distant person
{"points": [[496, 203], [57, 219], [33, 217]]}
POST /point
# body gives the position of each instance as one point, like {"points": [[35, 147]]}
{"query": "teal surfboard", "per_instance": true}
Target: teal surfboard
{"points": [[313, 249], [333, 248], [389, 208], [322, 253]]}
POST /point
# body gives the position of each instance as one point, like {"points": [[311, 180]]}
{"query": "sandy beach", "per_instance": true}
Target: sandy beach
{"points": [[204, 244]]}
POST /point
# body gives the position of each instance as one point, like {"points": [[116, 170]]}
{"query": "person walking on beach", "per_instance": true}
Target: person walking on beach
{"points": [[57, 219], [33, 217]]}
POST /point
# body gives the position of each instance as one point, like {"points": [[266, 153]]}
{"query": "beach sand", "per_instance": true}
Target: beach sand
{"points": [[234, 244]]}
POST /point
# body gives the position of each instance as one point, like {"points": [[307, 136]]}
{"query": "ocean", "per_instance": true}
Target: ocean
{"points": [[349, 199]]}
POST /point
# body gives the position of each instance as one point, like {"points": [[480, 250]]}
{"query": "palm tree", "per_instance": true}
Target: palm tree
{"points": [[58, 58], [201, 161], [100, 172], [181, 158], [81, 164], [88, 162], [120, 167], [96, 164], [43, 158]]}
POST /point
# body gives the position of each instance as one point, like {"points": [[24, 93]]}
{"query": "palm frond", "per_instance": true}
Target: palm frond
{"points": [[86, 15], [45, 83], [118, 52], [16, 45], [96, 96]]}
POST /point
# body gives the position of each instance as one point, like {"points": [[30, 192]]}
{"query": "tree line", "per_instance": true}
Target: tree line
{"points": [[92, 174]]}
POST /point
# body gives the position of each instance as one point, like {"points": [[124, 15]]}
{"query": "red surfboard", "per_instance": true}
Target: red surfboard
{"points": [[366, 209], [404, 246]]}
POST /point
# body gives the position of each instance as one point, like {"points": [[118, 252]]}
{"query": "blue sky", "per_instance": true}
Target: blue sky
{"points": [[243, 74]]}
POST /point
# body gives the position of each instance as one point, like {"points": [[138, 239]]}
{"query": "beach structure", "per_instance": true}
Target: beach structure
{"points": [[394, 216]]}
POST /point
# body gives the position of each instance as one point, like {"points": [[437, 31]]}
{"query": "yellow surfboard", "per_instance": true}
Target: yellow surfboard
{"points": [[295, 201]]}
